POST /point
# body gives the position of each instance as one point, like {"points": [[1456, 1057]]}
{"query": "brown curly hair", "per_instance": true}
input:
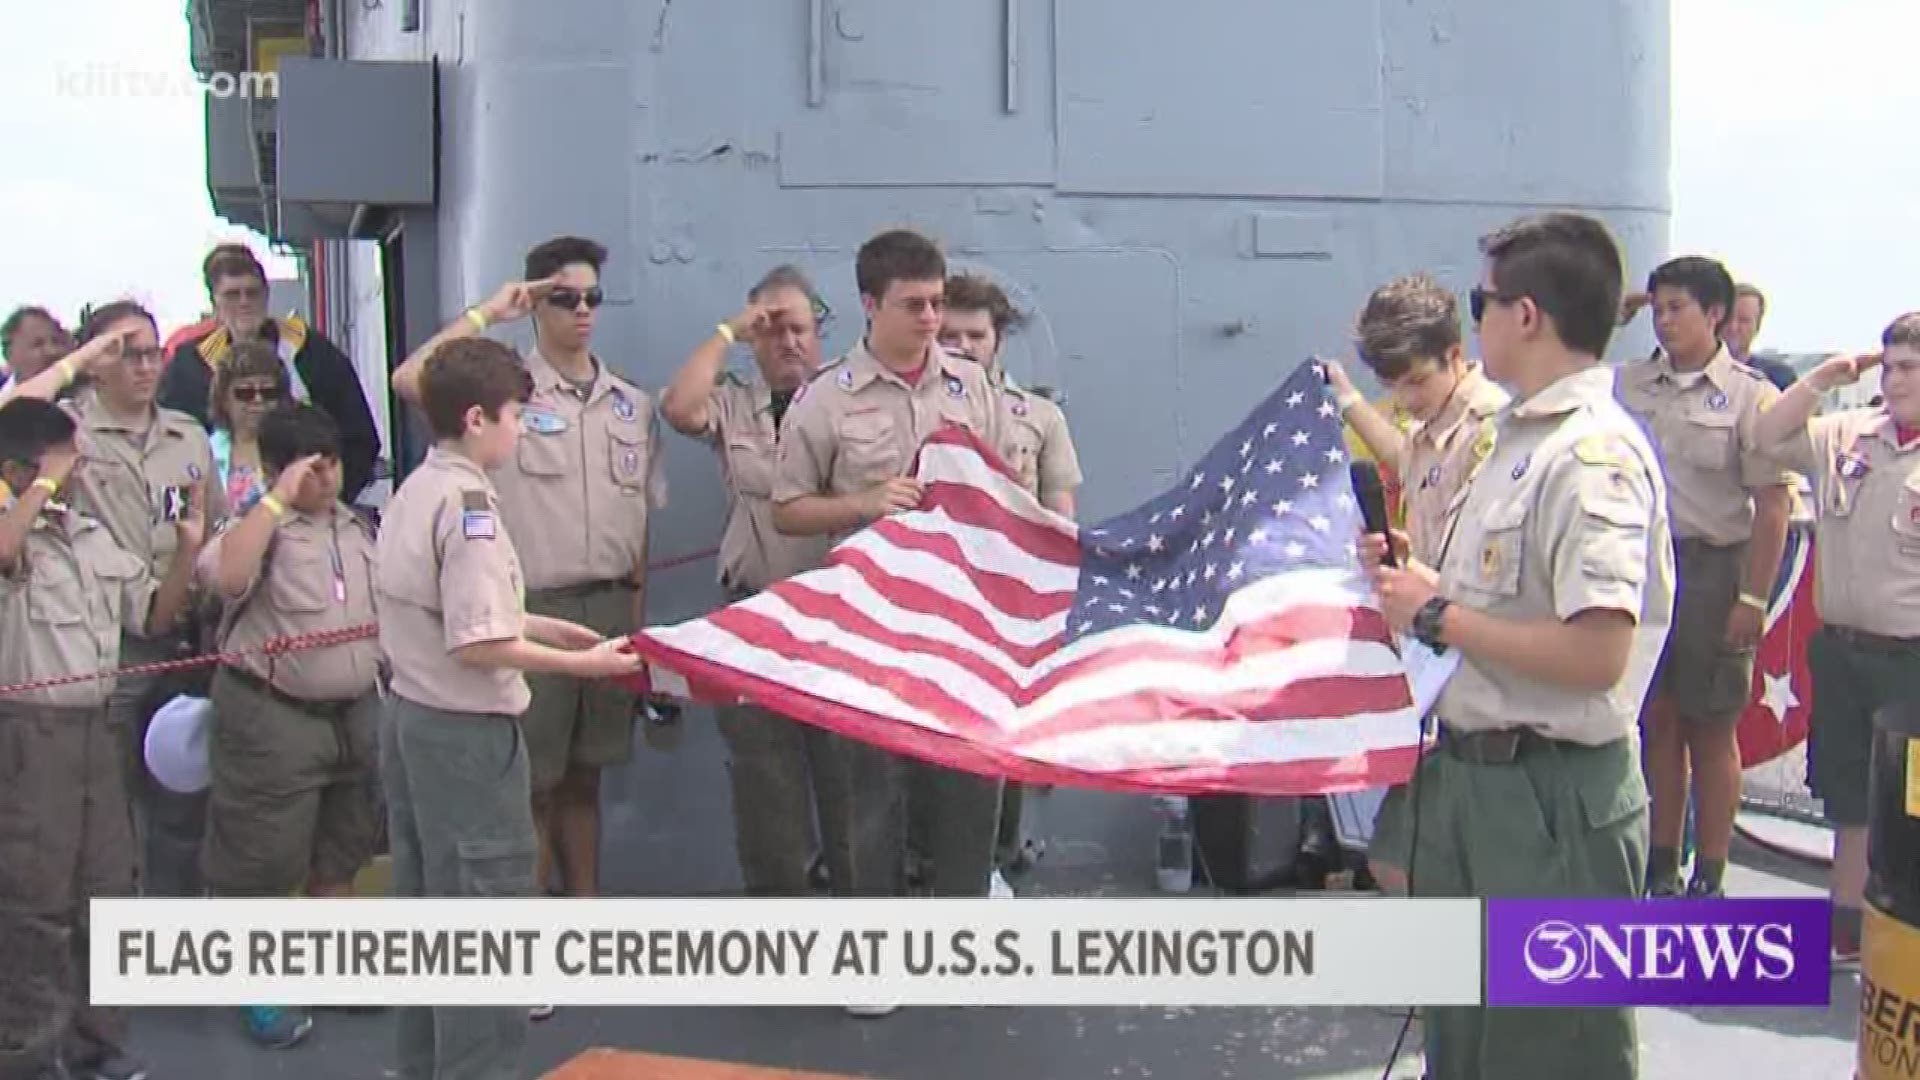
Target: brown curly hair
{"points": [[248, 360]]}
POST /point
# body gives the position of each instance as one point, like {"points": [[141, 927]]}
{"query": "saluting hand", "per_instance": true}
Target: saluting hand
{"points": [[517, 299], [286, 487], [1845, 370]]}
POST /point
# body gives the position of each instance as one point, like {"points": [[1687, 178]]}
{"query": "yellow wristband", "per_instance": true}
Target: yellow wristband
{"points": [[274, 505], [46, 484], [68, 368], [725, 331], [477, 318], [1754, 602]]}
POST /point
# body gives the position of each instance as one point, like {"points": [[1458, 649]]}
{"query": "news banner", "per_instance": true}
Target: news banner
{"points": [[1030, 951]]}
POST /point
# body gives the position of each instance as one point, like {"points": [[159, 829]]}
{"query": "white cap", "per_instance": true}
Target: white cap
{"points": [[177, 744]]}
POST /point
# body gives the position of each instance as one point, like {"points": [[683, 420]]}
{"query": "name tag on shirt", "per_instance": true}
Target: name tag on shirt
{"points": [[542, 422], [476, 516]]}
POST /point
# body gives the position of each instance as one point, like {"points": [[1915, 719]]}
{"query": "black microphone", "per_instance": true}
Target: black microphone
{"points": [[1373, 503]]}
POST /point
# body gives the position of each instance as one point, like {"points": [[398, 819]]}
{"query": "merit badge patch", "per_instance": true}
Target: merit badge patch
{"points": [[1433, 477], [476, 516], [622, 408], [1718, 402], [845, 378], [1520, 470], [956, 388], [630, 461], [1852, 467], [1019, 407]]}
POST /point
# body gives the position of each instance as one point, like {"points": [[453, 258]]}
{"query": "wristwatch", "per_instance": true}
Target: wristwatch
{"points": [[1426, 623]]}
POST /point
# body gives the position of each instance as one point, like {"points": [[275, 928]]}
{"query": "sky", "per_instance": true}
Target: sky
{"points": [[1792, 158]]}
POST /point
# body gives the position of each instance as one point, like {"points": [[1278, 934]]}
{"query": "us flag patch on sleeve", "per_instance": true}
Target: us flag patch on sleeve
{"points": [[476, 516]]}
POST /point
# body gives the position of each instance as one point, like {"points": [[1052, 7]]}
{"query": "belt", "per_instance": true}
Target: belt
{"points": [[585, 588], [1502, 747], [1701, 543], [330, 710], [1874, 642]]}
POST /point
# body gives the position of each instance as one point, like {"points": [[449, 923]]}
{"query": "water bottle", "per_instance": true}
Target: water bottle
{"points": [[1174, 868]]}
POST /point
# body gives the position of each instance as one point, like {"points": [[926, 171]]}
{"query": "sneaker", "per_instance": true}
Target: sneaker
{"points": [[1701, 890], [539, 1013], [276, 1028], [112, 1066], [868, 1012], [1664, 889], [1846, 956], [997, 887]]}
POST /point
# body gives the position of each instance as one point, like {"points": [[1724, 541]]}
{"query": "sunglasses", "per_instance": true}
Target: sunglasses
{"points": [[247, 395], [568, 299], [1478, 297]]}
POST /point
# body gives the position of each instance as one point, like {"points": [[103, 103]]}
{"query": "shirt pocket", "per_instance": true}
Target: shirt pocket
{"points": [[750, 464], [543, 455], [627, 454], [1708, 441], [1495, 567], [869, 451], [300, 581], [1906, 520], [55, 596], [1024, 442]]}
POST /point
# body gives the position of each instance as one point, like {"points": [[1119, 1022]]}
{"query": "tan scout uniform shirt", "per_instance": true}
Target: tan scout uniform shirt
{"points": [[1702, 425], [446, 576], [124, 480], [1440, 458], [317, 575], [740, 428], [65, 607], [1867, 537], [857, 424], [577, 491], [1036, 443], [1568, 513]]}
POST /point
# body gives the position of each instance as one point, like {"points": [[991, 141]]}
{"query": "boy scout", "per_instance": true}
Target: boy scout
{"points": [[1865, 469], [770, 757], [590, 457], [1730, 507], [292, 804], [1555, 582], [1409, 336], [457, 636], [848, 441], [141, 462], [1040, 450], [67, 593]]}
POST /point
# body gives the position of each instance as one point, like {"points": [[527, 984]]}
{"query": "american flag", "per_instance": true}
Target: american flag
{"points": [[1219, 638]]}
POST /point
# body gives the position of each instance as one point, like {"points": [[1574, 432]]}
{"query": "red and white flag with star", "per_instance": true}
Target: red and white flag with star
{"points": [[1776, 718]]}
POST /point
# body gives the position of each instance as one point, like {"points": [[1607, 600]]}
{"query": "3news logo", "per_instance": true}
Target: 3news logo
{"points": [[1658, 952]]}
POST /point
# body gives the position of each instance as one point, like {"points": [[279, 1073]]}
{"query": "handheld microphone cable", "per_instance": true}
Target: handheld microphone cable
{"points": [[1371, 495]]}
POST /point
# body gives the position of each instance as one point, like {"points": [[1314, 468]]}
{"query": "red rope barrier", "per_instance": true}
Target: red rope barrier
{"points": [[279, 646]]}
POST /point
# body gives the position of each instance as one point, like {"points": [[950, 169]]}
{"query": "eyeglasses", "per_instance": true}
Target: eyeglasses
{"points": [[568, 299], [1477, 299], [247, 395], [133, 356]]}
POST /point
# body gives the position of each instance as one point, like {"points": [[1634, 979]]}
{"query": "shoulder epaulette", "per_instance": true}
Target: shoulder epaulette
{"points": [[1048, 393]]}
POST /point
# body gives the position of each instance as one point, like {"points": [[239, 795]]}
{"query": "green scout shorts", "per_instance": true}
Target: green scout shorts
{"points": [[1707, 682], [1854, 676], [575, 722]]}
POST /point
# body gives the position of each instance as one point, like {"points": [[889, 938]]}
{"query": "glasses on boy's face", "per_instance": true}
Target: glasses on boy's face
{"points": [[133, 357], [249, 395], [568, 299]]}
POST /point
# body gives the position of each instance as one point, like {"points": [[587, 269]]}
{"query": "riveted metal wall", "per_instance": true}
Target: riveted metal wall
{"points": [[1189, 197]]}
